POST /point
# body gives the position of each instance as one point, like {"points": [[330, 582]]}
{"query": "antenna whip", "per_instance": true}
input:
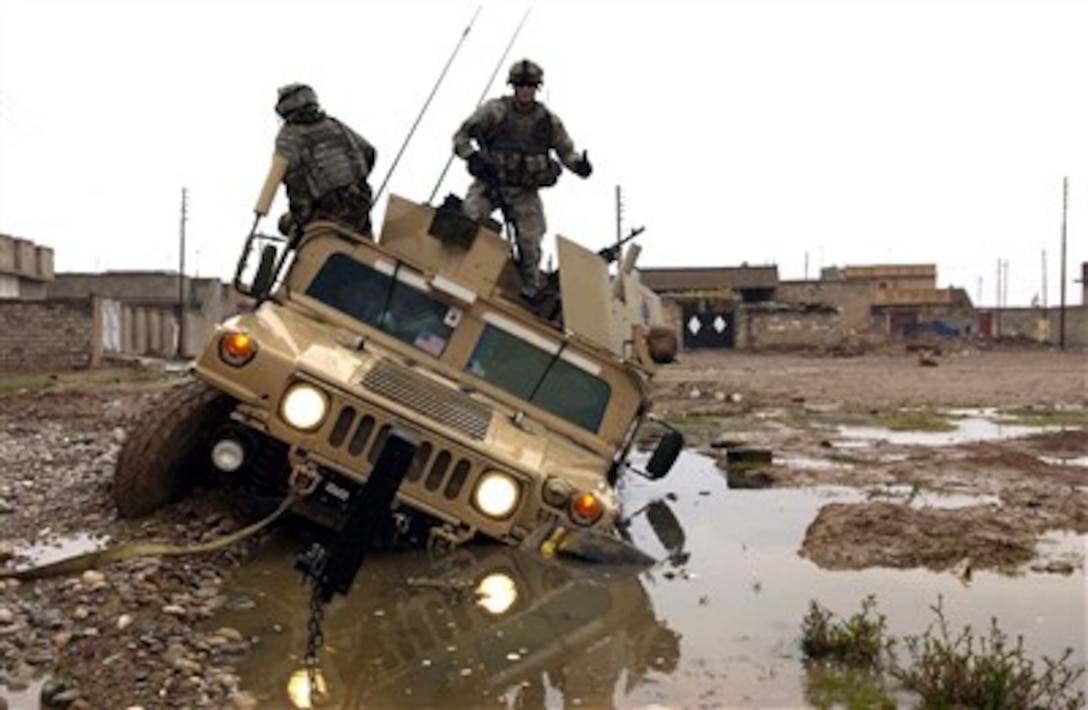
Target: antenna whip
{"points": [[427, 103], [483, 95]]}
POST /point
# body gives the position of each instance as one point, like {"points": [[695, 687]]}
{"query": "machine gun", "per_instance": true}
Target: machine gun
{"points": [[612, 252]]}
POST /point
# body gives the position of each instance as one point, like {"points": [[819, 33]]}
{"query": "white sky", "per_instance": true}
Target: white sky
{"points": [[803, 134]]}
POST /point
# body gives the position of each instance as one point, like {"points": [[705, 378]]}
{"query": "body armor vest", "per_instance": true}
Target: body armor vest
{"points": [[330, 158], [519, 147]]}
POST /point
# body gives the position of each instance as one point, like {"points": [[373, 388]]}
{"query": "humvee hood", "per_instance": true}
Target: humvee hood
{"points": [[341, 358]]}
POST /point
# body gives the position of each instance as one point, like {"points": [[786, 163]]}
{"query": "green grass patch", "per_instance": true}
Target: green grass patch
{"points": [[915, 420], [831, 686], [853, 663], [1046, 417], [849, 460], [84, 378], [963, 670], [856, 641]]}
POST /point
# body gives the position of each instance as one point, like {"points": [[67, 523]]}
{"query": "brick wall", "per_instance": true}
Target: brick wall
{"points": [[1043, 326], [853, 299], [152, 298], [785, 328], [48, 335]]}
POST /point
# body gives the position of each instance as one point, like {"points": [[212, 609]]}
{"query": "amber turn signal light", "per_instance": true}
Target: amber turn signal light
{"points": [[237, 348], [586, 508]]}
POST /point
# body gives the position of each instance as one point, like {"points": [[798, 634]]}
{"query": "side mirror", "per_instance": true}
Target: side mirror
{"points": [[666, 526], [256, 280], [262, 282], [665, 455]]}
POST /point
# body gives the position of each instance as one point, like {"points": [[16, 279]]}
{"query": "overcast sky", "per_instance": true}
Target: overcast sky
{"points": [[803, 134]]}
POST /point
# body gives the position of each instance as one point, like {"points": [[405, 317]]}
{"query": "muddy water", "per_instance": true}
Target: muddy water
{"points": [[714, 624], [967, 425]]}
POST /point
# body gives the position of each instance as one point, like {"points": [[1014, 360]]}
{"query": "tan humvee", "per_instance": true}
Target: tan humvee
{"points": [[515, 416]]}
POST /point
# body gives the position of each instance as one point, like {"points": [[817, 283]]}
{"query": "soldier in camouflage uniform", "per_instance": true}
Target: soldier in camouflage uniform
{"points": [[327, 162], [511, 159]]}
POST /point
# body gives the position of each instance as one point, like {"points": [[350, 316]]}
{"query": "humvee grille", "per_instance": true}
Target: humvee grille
{"points": [[448, 407], [442, 473]]}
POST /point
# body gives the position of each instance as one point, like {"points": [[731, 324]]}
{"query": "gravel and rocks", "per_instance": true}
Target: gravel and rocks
{"points": [[143, 633], [132, 634]]}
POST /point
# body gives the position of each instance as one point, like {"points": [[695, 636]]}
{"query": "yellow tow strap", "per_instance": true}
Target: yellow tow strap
{"points": [[99, 558]]}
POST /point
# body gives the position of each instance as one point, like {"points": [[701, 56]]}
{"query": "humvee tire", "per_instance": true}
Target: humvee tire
{"points": [[162, 456]]}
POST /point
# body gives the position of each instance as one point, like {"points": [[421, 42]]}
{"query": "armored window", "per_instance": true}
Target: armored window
{"points": [[383, 297], [541, 373]]}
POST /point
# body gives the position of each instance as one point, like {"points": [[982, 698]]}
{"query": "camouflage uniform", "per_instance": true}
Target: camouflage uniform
{"points": [[517, 143], [327, 162]]}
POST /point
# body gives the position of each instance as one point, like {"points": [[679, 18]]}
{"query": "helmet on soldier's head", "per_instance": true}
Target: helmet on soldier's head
{"points": [[293, 97], [525, 72]]}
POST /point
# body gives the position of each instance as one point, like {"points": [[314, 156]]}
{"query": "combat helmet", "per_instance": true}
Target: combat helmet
{"points": [[293, 97], [525, 72]]}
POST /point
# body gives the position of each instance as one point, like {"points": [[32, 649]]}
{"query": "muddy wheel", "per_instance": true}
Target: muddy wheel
{"points": [[167, 449]]}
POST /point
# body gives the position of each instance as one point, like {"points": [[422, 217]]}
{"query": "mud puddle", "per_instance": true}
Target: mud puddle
{"points": [[968, 425], [51, 548], [715, 623]]}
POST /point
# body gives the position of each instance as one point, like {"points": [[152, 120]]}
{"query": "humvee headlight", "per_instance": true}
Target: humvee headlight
{"points": [[496, 592], [586, 509], [304, 406], [236, 348], [496, 494]]}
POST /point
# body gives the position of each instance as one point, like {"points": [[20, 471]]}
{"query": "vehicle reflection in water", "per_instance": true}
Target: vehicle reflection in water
{"points": [[714, 624], [482, 626]]}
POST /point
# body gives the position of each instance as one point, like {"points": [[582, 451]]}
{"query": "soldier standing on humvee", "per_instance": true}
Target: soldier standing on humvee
{"points": [[514, 136], [327, 163]]}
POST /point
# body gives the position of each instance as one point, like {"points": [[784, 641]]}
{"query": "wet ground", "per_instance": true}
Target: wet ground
{"points": [[846, 508], [715, 623]]}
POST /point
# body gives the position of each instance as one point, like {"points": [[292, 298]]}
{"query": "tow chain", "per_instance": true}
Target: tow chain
{"points": [[313, 564], [315, 639]]}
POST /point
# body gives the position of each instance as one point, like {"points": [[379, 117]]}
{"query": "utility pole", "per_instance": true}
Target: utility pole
{"points": [[1061, 312], [619, 218], [1042, 301], [181, 275], [997, 302]]}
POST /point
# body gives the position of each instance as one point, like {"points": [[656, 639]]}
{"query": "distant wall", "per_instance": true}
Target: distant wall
{"points": [[76, 333], [45, 335], [851, 298], [151, 301], [1042, 325], [127, 286], [785, 328]]}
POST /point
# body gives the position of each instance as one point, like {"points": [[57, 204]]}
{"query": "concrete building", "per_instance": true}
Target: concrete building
{"points": [[904, 300], [749, 308], [25, 268], [703, 304], [65, 321], [148, 306]]}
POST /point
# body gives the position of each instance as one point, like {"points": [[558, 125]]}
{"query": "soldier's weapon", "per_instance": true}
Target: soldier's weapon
{"points": [[483, 95], [427, 103], [496, 196]]}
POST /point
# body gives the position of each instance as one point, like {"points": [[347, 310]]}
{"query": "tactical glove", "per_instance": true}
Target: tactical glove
{"points": [[480, 167], [582, 167]]}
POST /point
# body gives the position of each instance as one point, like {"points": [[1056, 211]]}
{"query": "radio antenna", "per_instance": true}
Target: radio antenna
{"points": [[427, 103], [483, 95]]}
